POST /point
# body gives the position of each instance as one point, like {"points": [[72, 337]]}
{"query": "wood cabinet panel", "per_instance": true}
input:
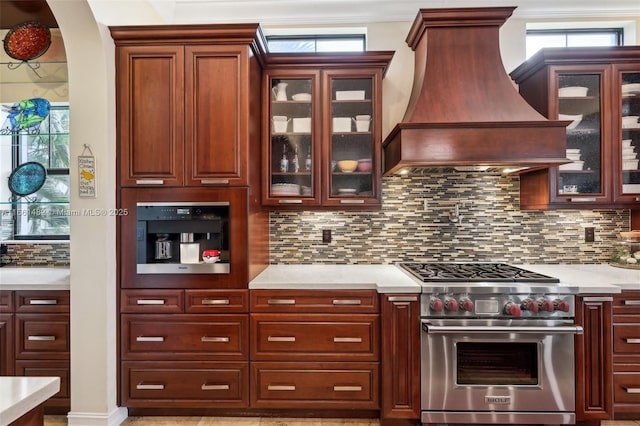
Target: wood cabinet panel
{"points": [[152, 301], [54, 301], [400, 346], [313, 301], [217, 301], [41, 336], [7, 353], [626, 335], [185, 384], [150, 89], [315, 385], [315, 336], [184, 337], [50, 368], [626, 354], [6, 301], [628, 302]]}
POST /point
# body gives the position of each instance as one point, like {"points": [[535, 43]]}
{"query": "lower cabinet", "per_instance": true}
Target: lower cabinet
{"points": [[594, 395], [626, 355], [35, 337], [315, 349], [184, 348]]}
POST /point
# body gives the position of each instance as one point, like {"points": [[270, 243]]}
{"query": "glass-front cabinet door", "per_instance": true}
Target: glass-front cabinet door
{"points": [[292, 153], [351, 143], [581, 100], [627, 134]]}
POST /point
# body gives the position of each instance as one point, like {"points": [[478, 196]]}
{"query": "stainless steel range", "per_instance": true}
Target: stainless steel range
{"points": [[496, 344]]}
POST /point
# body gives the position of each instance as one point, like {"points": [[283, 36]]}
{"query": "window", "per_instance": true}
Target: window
{"points": [[43, 214], [574, 37], [316, 43]]}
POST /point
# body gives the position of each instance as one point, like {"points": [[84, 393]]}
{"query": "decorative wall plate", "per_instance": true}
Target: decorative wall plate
{"points": [[27, 40], [27, 178]]}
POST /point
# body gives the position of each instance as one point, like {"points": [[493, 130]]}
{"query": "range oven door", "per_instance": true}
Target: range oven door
{"points": [[494, 371]]}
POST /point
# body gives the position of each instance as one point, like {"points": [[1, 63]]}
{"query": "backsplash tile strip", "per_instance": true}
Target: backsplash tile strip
{"points": [[493, 228], [37, 254]]}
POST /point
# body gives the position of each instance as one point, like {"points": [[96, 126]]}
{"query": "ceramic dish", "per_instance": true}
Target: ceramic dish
{"points": [[573, 92], [27, 178], [575, 120], [576, 165], [28, 40], [301, 97]]}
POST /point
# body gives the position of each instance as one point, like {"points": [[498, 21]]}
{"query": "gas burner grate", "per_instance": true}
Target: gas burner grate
{"points": [[474, 272]]}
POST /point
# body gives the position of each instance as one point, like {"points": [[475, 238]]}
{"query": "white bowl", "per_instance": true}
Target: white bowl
{"points": [[630, 164], [576, 165], [301, 97], [575, 119], [573, 150], [630, 121], [573, 92], [573, 157], [630, 88]]}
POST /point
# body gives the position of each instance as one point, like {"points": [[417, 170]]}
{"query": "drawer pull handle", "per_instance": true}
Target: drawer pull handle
{"points": [[351, 201], [150, 339], [347, 388], [140, 386], [215, 387], [632, 390], [150, 302], [583, 200], [214, 181], [43, 302], [281, 302], [347, 339], [216, 301], [632, 302], [214, 339], [281, 339], [289, 201], [281, 387], [347, 302], [41, 338], [632, 340], [149, 182], [403, 298]]}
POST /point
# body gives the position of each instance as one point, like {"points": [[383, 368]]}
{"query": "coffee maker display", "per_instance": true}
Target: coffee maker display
{"points": [[172, 237]]}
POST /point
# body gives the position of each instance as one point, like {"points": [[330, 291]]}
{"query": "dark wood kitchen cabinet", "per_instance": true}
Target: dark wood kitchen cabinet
{"points": [[626, 355], [315, 349], [191, 343], [598, 91], [400, 357], [6, 333], [594, 394], [187, 104], [320, 110]]}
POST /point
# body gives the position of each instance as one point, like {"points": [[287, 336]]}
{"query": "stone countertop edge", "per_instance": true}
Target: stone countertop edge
{"points": [[19, 395], [588, 279], [34, 278]]}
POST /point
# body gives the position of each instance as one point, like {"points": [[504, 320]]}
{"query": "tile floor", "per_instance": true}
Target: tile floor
{"points": [[260, 421]]}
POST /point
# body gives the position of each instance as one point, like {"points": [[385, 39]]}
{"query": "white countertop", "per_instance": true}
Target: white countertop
{"points": [[19, 395], [16, 278], [589, 279]]}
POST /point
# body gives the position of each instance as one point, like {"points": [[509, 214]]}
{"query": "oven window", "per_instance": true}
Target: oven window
{"points": [[497, 363]]}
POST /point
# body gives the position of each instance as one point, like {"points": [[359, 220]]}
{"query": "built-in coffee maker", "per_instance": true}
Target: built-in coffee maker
{"points": [[182, 238]]}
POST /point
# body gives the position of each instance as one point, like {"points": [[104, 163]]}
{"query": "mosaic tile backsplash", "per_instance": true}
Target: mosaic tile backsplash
{"points": [[37, 254], [489, 227]]}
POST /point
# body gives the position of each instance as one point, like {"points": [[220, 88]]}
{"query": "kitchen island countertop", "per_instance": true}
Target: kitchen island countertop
{"points": [[589, 279], [20, 395]]}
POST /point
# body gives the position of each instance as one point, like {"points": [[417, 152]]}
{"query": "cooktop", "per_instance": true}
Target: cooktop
{"points": [[474, 272]]}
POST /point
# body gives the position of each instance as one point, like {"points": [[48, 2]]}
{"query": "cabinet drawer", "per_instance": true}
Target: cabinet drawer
{"points": [[626, 334], [313, 385], [627, 302], [219, 384], [48, 368], [42, 336], [43, 301], [626, 388], [214, 301], [185, 336], [6, 301], [306, 301], [152, 301], [315, 336]]}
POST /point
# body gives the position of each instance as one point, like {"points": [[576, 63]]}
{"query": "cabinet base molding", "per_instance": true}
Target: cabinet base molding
{"points": [[251, 412]]}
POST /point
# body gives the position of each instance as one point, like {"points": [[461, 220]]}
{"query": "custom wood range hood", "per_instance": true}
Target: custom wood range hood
{"points": [[464, 111]]}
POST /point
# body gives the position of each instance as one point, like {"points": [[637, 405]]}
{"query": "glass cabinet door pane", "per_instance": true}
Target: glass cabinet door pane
{"points": [[351, 146], [292, 139], [630, 144], [579, 102]]}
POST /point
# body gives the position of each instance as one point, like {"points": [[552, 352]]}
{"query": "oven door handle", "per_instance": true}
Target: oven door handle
{"points": [[493, 329]]}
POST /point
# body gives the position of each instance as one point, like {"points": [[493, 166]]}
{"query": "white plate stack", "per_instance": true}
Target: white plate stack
{"points": [[573, 154], [629, 156]]}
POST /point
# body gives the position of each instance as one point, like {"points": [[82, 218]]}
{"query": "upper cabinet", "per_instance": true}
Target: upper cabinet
{"points": [[323, 144], [185, 103], [597, 90]]}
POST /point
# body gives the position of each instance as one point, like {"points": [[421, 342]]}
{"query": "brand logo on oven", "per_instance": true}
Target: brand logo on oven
{"points": [[497, 399]]}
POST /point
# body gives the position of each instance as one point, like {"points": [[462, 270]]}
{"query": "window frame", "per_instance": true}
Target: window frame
{"points": [[315, 38]]}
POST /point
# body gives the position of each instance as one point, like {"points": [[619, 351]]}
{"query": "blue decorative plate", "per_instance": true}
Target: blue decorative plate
{"points": [[27, 178]]}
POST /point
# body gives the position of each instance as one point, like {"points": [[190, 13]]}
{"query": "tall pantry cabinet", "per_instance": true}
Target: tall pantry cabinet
{"points": [[189, 130]]}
